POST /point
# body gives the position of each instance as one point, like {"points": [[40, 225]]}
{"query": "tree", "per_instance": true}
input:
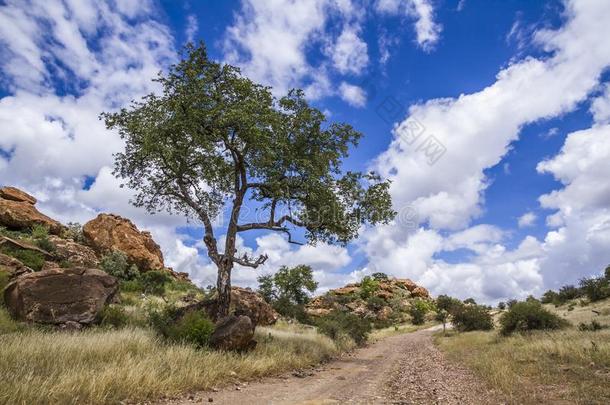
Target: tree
{"points": [[214, 138], [288, 290]]}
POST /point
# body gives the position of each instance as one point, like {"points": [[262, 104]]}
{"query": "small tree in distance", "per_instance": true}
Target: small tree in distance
{"points": [[213, 138]]}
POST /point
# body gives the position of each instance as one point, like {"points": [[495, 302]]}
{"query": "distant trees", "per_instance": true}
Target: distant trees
{"points": [[288, 290]]}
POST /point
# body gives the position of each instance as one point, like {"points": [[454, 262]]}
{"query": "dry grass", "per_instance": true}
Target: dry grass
{"points": [[542, 367], [101, 366]]}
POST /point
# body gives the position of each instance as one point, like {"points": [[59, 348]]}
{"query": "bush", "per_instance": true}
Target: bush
{"points": [[418, 311], [596, 289], [470, 301], [379, 276], [593, 326], [115, 263], [368, 287], [550, 297], [529, 315], [375, 303], [567, 293], [338, 324], [34, 260], [153, 282], [510, 303], [192, 328], [502, 305], [113, 316], [74, 231], [472, 317]]}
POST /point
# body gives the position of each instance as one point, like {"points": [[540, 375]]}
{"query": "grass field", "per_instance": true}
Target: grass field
{"points": [[542, 367], [102, 366]]}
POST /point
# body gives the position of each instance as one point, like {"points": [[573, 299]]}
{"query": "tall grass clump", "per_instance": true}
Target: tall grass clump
{"points": [[110, 366]]}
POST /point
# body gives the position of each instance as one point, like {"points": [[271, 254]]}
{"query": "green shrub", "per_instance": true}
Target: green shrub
{"points": [[470, 301], [379, 276], [192, 328], [113, 316], [40, 234], [567, 293], [502, 305], [510, 303], [154, 281], [74, 231], [34, 260], [596, 289], [472, 317], [338, 324], [134, 285], [375, 303], [418, 311], [529, 315], [593, 326], [368, 287], [550, 297], [115, 263], [447, 303]]}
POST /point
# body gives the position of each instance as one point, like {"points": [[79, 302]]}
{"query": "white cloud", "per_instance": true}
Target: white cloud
{"points": [[527, 219], [600, 107], [349, 53], [352, 94], [427, 30], [449, 194], [192, 26]]}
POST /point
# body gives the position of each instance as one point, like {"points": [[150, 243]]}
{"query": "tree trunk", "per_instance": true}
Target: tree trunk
{"points": [[223, 287]]}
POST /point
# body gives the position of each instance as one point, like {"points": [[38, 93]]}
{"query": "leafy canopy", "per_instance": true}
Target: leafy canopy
{"points": [[213, 136]]}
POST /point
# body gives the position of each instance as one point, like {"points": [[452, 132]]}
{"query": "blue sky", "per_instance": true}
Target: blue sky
{"points": [[513, 94]]}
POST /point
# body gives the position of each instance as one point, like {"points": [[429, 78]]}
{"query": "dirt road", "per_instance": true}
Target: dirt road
{"points": [[403, 369]]}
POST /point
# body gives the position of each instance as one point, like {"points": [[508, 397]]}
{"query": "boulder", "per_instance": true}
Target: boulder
{"points": [[23, 245], [17, 211], [74, 253], [348, 289], [420, 292], [110, 232], [406, 283], [12, 266], [233, 333], [57, 296], [14, 194], [243, 302], [384, 313]]}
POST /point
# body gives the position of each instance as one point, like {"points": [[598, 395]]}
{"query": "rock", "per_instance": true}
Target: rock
{"points": [[14, 194], [420, 292], [315, 312], [18, 212], [71, 326], [243, 302], [233, 333], [74, 253], [249, 303], [57, 296], [406, 283], [384, 313], [22, 245], [12, 266], [48, 265], [348, 289], [110, 232]]}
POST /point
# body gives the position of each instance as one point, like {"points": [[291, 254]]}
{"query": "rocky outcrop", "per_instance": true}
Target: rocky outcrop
{"points": [[389, 300], [243, 302], [13, 267], [74, 253], [233, 333], [110, 232], [18, 211], [58, 296]]}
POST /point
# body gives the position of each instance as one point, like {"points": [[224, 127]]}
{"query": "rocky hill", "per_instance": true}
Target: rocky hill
{"points": [[381, 299]]}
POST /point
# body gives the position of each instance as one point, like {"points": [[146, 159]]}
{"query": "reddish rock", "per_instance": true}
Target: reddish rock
{"points": [[74, 253], [406, 283], [420, 292], [110, 232], [17, 211], [14, 194], [58, 296], [345, 290]]}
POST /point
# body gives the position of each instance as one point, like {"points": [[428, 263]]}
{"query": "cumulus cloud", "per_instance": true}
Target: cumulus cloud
{"points": [[427, 30], [352, 94], [527, 219], [349, 53], [448, 195]]}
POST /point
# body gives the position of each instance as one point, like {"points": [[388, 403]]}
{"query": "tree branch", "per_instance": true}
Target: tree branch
{"points": [[248, 262]]}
